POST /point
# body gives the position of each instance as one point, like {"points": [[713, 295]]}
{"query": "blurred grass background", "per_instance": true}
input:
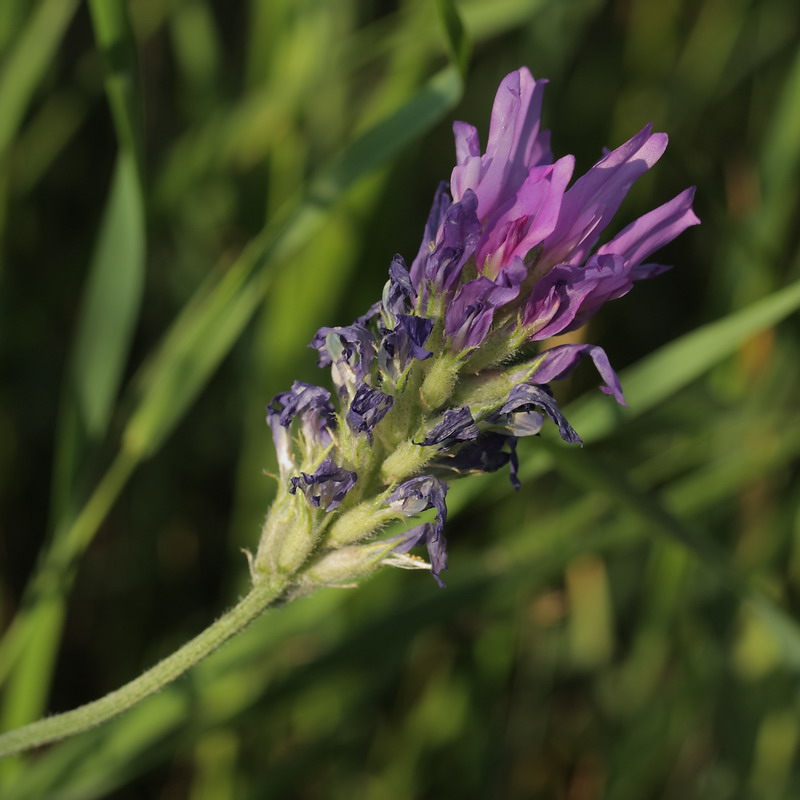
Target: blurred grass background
{"points": [[188, 190]]}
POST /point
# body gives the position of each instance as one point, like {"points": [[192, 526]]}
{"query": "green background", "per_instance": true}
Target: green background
{"points": [[188, 190]]}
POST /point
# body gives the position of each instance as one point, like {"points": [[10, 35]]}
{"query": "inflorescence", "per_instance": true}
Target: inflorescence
{"points": [[434, 381]]}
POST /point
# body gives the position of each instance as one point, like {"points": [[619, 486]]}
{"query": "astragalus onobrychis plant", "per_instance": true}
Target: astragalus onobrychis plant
{"points": [[437, 380], [443, 375]]}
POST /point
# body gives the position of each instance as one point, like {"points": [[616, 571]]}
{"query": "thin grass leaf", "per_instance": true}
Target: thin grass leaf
{"points": [[456, 37], [27, 63], [780, 166], [589, 471], [115, 40], [198, 55], [12, 17], [112, 299]]}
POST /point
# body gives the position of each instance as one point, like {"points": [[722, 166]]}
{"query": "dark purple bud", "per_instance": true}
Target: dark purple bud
{"points": [[487, 453], [349, 351], [370, 314], [484, 454], [428, 534], [467, 323], [419, 494], [367, 409], [327, 487], [404, 343], [523, 399], [442, 257], [399, 295], [457, 425], [441, 202], [311, 406], [304, 400], [413, 497]]}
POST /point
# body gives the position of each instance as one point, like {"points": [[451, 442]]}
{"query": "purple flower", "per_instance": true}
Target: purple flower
{"points": [[558, 362], [367, 409], [522, 400], [412, 498], [327, 487], [651, 232], [451, 236], [515, 145], [457, 425], [311, 406], [349, 351], [519, 189], [523, 224], [567, 296], [528, 216], [487, 453], [594, 198], [469, 316], [404, 343], [510, 254]]}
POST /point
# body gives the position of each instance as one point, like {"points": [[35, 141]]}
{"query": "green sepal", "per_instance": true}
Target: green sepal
{"points": [[287, 537], [439, 383], [405, 461], [344, 565], [360, 522], [486, 392]]}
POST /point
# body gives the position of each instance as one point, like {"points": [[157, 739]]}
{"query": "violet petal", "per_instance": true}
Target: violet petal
{"points": [[559, 362], [594, 198], [653, 230]]}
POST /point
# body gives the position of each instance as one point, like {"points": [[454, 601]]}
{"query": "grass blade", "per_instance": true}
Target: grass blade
{"points": [[26, 64], [456, 36], [111, 305], [589, 471]]}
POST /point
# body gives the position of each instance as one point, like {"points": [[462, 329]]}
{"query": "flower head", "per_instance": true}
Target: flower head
{"points": [[436, 380]]}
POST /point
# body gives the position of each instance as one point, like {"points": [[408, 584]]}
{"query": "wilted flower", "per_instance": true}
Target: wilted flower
{"points": [[433, 381]]}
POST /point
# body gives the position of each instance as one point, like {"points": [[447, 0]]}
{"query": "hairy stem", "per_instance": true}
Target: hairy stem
{"points": [[88, 716]]}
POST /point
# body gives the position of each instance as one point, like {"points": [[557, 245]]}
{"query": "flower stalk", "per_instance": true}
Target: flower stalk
{"points": [[60, 726]]}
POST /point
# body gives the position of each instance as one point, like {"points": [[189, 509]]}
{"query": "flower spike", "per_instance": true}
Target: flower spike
{"points": [[434, 381]]}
